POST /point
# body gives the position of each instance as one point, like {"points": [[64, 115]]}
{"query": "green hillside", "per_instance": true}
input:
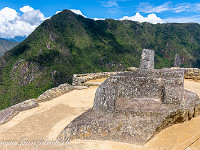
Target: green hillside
{"points": [[6, 45], [69, 43]]}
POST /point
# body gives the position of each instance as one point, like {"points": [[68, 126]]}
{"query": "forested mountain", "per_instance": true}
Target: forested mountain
{"points": [[68, 43], [6, 45]]}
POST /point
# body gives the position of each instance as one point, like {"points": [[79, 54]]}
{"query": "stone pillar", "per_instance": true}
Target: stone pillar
{"points": [[177, 61], [147, 60]]}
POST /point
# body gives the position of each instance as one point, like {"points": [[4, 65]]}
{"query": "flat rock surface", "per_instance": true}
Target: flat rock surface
{"points": [[48, 120]]}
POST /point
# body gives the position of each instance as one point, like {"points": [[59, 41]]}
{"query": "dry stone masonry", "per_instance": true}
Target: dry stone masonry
{"points": [[134, 106], [55, 92], [81, 79], [192, 73], [147, 60]]}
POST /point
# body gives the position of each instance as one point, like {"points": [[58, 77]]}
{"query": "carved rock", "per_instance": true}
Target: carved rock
{"points": [[134, 106]]}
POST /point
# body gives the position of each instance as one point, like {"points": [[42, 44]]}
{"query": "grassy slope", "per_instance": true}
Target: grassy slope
{"points": [[68, 44]]}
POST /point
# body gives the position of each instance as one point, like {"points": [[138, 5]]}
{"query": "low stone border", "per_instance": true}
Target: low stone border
{"points": [[55, 92], [8, 113], [80, 79]]}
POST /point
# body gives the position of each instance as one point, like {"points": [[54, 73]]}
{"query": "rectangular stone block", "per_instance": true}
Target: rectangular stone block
{"points": [[147, 60]]}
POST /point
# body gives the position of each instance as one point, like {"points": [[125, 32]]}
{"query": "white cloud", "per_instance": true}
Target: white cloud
{"points": [[26, 9], [58, 12], [181, 7], [192, 19], [98, 19], [33, 17], [145, 7], [196, 8], [78, 12], [152, 18], [168, 6], [13, 24], [159, 9], [187, 7], [8, 14]]}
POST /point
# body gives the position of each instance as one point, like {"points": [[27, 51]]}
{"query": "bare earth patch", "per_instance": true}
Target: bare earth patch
{"points": [[44, 123]]}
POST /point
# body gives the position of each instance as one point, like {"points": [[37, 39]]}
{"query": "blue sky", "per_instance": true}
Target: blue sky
{"points": [[20, 18]]}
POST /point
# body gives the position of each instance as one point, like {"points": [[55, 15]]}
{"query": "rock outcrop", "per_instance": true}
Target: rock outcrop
{"points": [[134, 106]]}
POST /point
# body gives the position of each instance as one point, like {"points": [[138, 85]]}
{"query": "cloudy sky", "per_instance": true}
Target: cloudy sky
{"points": [[20, 18]]}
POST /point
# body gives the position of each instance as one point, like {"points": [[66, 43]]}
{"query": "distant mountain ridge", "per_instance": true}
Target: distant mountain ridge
{"points": [[17, 39], [6, 45], [67, 44]]}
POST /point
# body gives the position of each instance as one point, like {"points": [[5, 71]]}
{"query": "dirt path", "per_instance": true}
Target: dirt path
{"points": [[97, 80], [49, 119], [45, 122], [190, 85]]}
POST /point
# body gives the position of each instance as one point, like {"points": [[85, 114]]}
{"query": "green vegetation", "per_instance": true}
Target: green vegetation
{"points": [[68, 43], [6, 45]]}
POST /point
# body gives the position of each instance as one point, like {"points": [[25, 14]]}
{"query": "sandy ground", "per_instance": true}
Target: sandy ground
{"points": [[97, 80], [38, 128], [190, 85]]}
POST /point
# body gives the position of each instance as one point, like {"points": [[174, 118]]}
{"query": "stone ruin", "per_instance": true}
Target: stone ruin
{"points": [[134, 106], [177, 61], [147, 60]]}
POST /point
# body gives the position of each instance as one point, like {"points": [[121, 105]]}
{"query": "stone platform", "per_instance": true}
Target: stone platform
{"points": [[132, 120], [134, 106]]}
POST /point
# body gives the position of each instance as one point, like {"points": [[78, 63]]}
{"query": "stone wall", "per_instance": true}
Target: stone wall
{"points": [[80, 79], [166, 86], [192, 73], [55, 92]]}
